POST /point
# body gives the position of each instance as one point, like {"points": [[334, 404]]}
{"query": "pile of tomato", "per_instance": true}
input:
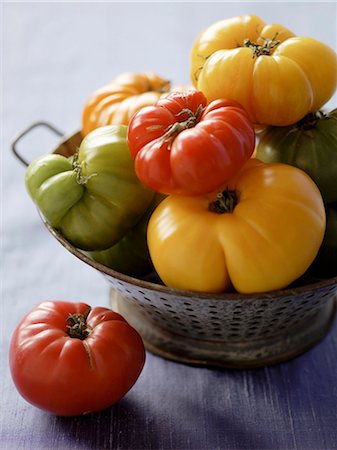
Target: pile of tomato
{"points": [[229, 184], [166, 178]]}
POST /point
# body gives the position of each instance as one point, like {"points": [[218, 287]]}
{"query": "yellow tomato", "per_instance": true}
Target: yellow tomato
{"points": [[277, 76], [258, 233]]}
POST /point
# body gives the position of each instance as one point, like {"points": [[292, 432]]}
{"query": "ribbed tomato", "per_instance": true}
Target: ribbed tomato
{"points": [[259, 232], [310, 144], [117, 101], [277, 77], [181, 145], [70, 359], [94, 198]]}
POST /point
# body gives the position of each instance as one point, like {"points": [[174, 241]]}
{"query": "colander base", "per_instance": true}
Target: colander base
{"points": [[243, 354]]}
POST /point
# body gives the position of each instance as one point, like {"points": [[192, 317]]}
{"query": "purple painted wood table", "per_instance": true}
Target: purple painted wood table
{"points": [[173, 406]]}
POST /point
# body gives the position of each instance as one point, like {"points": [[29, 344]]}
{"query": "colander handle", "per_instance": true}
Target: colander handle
{"points": [[25, 132]]}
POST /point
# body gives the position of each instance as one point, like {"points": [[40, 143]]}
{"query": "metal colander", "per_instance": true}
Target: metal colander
{"points": [[225, 330]]}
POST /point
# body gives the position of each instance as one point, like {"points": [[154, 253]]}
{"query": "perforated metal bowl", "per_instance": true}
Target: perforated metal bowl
{"points": [[226, 330]]}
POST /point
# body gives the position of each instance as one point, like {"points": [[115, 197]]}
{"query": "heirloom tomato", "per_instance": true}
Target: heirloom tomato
{"points": [[259, 232], [276, 76], [131, 254], [181, 145], [116, 102], [310, 144], [69, 359], [94, 198]]}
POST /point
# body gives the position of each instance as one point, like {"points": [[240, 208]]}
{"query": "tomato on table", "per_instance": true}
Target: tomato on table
{"points": [[181, 145], [69, 359]]}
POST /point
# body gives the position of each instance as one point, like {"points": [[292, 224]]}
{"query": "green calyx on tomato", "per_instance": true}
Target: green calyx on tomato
{"points": [[184, 146], [310, 144], [95, 197]]}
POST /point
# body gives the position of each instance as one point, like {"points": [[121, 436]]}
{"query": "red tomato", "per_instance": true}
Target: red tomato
{"points": [[69, 359], [182, 146]]}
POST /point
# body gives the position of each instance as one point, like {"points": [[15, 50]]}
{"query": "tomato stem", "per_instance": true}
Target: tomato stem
{"points": [[310, 120], [177, 127], [78, 327], [264, 49], [225, 202], [77, 168]]}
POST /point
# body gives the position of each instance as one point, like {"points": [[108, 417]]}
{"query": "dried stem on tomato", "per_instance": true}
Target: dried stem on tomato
{"points": [[225, 202], [80, 178], [78, 327], [178, 127], [264, 49]]}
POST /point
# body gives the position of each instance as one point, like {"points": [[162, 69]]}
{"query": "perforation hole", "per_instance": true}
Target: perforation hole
{"points": [[168, 305], [217, 334]]}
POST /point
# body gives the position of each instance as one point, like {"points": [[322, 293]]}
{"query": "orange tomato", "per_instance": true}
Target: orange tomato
{"points": [[116, 102]]}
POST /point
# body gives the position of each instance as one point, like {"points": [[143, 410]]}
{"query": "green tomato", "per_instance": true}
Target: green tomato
{"points": [[95, 197], [325, 264], [310, 145], [131, 255]]}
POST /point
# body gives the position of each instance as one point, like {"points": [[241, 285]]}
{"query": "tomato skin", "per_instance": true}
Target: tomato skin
{"points": [[268, 241], [68, 376], [95, 201], [277, 86], [130, 255], [116, 102], [184, 146], [310, 145]]}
